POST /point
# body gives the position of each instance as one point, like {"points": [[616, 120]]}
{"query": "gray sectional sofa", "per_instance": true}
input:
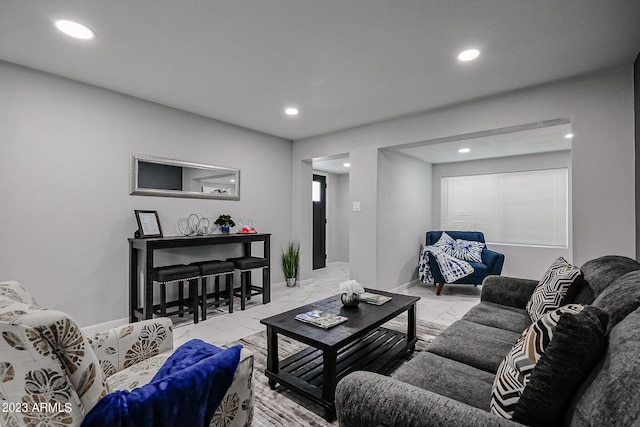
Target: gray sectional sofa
{"points": [[450, 383]]}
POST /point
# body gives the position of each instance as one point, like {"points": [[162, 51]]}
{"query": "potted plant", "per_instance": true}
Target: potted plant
{"points": [[224, 222], [291, 262]]}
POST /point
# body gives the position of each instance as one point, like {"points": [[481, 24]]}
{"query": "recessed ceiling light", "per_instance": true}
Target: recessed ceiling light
{"points": [[346, 165], [468, 55], [74, 29], [233, 180], [464, 150], [291, 111], [569, 136]]}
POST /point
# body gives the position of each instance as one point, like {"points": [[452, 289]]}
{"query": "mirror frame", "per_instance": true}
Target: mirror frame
{"points": [[136, 191]]}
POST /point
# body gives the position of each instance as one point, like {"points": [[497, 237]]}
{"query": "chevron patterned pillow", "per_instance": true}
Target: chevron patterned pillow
{"points": [[553, 288], [514, 372]]}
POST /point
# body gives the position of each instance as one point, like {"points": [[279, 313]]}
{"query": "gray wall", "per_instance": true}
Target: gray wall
{"points": [[636, 108], [64, 187], [520, 261], [338, 217], [404, 214], [600, 109]]}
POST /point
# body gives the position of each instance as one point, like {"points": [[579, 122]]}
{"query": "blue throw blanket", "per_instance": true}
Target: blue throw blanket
{"points": [[186, 391]]}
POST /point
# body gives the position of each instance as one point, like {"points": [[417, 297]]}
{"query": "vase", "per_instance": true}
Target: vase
{"points": [[291, 282], [350, 300], [224, 229]]}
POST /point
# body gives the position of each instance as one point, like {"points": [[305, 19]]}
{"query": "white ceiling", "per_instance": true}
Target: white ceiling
{"points": [[510, 142], [332, 165], [343, 63], [530, 141]]}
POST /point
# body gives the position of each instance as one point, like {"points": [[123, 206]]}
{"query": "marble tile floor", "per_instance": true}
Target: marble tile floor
{"points": [[221, 327]]}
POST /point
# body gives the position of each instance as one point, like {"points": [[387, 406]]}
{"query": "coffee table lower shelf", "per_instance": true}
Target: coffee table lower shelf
{"points": [[304, 371]]}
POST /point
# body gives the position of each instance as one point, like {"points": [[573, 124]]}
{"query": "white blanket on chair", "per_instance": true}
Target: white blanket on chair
{"points": [[452, 269]]}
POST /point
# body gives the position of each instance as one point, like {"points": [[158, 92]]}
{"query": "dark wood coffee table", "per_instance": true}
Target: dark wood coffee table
{"points": [[358, 344]]}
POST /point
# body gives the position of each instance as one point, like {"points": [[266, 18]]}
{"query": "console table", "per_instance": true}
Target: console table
{"points": [[142, 250]]}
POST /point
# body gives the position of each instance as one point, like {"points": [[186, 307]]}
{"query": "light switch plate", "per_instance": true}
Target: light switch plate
{"points": [[357, 206]]}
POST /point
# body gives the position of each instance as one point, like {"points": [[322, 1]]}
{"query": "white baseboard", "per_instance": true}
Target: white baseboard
{"points": [[305, 282], [298, 284], [92, 329], [278, 285], [405, 286]]}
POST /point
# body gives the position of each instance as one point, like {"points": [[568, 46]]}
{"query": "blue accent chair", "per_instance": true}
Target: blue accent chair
{"points": [[492, 261]]}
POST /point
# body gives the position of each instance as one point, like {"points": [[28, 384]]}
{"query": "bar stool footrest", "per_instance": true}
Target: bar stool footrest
{"points": [[211, 300], [172, 304]]}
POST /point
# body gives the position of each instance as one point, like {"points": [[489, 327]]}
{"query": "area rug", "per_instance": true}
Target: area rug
{"points": [[282, 407]]}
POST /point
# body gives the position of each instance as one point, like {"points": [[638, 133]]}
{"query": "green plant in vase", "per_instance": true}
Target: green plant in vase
{"points": [[224, 222], [291, 262]]}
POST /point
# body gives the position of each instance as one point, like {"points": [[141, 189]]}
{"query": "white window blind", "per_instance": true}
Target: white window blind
{"points": [[526, 208]]}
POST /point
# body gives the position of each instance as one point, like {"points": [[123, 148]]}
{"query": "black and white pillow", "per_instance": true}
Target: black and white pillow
{"points": [[544, 369], [466, 250], [552, 289], [515, 370]]}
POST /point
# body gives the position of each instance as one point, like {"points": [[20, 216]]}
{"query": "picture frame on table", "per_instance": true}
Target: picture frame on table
{"points": [[148, 224]]}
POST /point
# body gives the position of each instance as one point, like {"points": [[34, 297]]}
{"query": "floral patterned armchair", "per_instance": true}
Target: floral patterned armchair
{"points": [[51, 375]]}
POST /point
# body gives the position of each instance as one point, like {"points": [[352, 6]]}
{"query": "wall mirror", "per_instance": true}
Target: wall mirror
{"points": [[158, 176]]}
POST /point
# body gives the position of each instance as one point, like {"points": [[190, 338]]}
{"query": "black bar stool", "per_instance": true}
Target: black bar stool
{"points": [[215, 269], [245, 265], [178, 274]]}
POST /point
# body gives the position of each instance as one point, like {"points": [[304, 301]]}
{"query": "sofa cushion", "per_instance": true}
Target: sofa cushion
{"points": [[479, 269], [499, 316], [621, 298], [545, 367], [139, 374], [600, 273], [448, 378], [460, 342], [609, 395], [556, 286], [508, 291]]}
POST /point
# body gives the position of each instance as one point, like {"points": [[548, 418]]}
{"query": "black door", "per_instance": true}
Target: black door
{"points": [[319, 221]]}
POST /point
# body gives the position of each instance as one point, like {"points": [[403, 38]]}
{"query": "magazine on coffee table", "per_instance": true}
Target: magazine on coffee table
{"points": [[374, 299], [321, 318]]}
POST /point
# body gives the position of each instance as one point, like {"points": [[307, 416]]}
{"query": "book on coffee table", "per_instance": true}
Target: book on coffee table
{"points": [[321, 318], [374, 299]]}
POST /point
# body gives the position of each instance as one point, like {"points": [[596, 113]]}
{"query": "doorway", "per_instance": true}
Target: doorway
{"points": [[319, 198], [330, 211]]}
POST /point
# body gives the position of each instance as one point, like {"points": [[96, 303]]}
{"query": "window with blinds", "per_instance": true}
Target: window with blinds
{"points": [[520, 208]]}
